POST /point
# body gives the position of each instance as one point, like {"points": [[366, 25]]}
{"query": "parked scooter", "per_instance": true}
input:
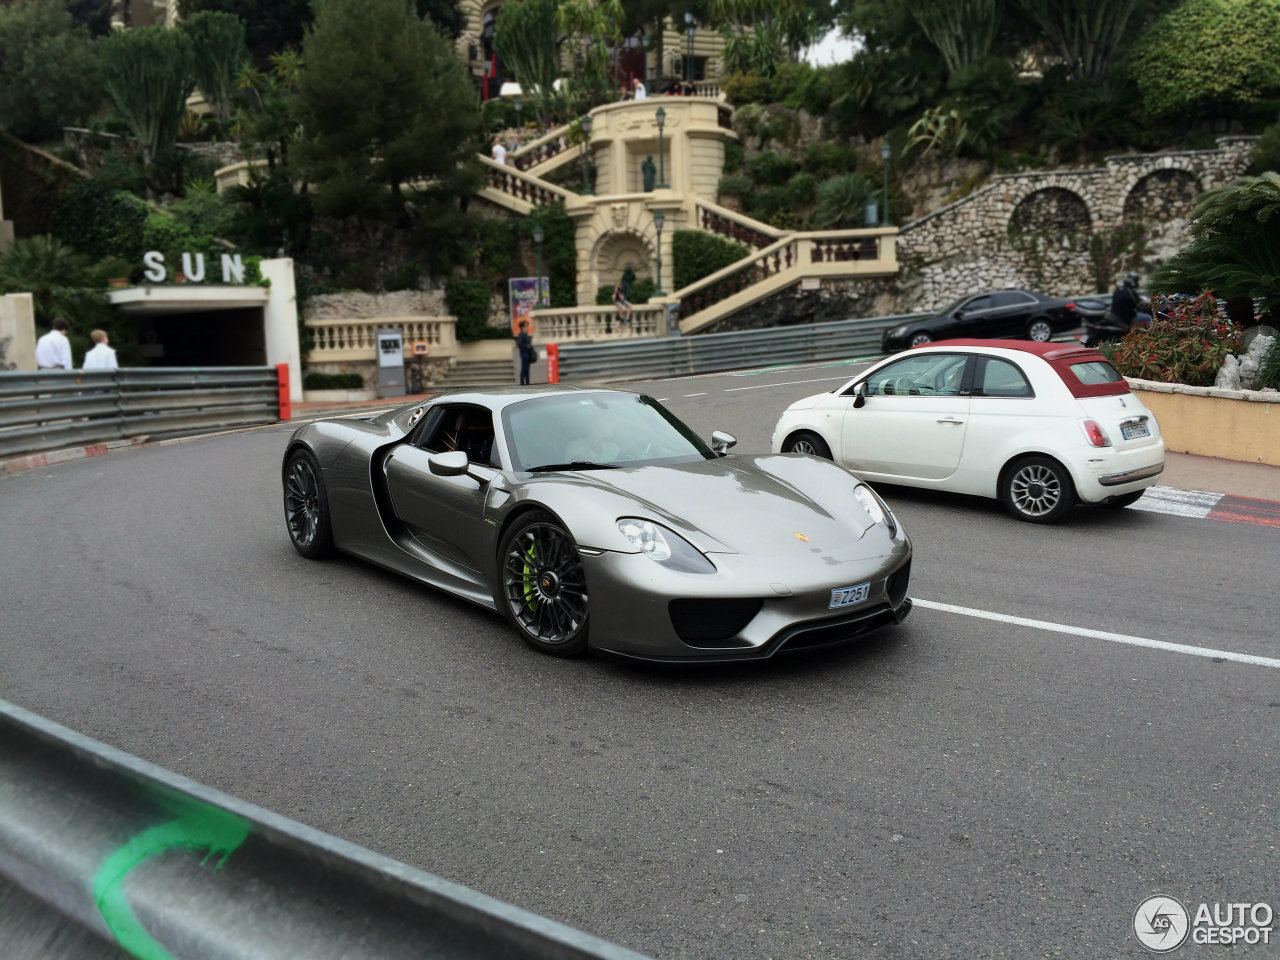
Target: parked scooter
{"points": [[1101, 325]]}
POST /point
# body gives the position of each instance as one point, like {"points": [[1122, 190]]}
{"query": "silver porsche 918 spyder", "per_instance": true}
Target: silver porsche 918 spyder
{"points": [[594, 518]]}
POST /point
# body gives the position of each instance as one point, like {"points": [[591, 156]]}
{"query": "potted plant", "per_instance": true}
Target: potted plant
{"points": [[116, 270]]}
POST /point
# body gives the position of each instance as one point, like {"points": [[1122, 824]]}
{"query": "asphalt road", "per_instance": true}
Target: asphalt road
{"points": [[959, 787]]}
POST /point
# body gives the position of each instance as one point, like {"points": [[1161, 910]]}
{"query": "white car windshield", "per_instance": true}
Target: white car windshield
{"points": [[582, 431]]}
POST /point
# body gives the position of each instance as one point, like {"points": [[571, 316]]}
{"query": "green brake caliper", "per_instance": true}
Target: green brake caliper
{"points": [[530, 599]]}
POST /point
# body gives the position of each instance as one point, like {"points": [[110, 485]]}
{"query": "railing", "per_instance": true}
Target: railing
{"points": [[736, 226], [237, 174], [58, 408], [342, 341], [773, 260], [710, 352], [598, 323], [107, 845], [528, 189], [539, 151]]}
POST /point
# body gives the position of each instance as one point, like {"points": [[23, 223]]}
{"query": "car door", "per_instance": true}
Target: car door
{"points": [[445, 514], [913, 423], [1011, 309], [1002, 405], [973, 319]]}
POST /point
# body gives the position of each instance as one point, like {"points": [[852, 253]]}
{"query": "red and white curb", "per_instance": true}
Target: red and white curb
{"points": [[1203, 505], [34, 461]]}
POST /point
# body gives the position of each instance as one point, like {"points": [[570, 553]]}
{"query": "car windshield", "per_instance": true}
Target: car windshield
{"points": [[583, 431]]}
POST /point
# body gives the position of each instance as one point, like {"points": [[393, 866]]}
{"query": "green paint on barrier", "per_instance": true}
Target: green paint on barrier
{"points": [[196, 826]]}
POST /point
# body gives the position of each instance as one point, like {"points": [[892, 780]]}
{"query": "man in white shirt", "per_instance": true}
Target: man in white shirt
{"points": [[499, 152], [640, 93], [53, 350], [101, 357]]}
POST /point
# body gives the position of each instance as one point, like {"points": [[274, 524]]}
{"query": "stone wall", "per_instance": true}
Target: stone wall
{"points": [[370, 306], [1030, 229]]}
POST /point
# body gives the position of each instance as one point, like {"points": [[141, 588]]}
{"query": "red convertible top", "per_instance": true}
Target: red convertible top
{"points": [[1061, 356]]}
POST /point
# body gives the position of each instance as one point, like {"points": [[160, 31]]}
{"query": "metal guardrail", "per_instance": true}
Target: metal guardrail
{"points": [[59, 408], [168, 869], [711, 352]]}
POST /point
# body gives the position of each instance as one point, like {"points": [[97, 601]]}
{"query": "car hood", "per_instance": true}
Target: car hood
{"points": [[785, 504]]}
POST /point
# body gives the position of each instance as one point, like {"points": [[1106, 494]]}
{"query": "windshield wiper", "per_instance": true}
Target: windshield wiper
{"points": [[573, 465]]}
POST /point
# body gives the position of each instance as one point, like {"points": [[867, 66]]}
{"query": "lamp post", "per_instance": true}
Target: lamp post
{"points": [[688, 60], [884, 155], [657, 225], [662, 167], [538, 237], [586, 156]]}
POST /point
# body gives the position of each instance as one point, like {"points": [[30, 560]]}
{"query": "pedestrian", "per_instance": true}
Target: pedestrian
{"points": [[622, 304], [499, 152], [53, 350], [638, 91], [101, 356], [524, 343]]}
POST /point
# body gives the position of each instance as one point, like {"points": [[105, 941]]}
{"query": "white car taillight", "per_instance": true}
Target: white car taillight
{"points": [[1094, 433]]}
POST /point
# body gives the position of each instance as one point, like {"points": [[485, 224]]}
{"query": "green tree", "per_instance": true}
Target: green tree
{"points": [[591, 28], [1085, 34], [525, 37], [267, 123], [62, 284], [270, 25], [149, 76], [49, 70], [218, 52], [1235, 246], [761, 35], [383, 103], [1221, 55], [93, 15], [962, 30]]}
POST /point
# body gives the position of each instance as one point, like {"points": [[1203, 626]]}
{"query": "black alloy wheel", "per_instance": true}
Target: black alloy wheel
{"points": [[1040, 330], [306, 506], [543, 586], [807, 442], [1037, 490], [921, 338]]}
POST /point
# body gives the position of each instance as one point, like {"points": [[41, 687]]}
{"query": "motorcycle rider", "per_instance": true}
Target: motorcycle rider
{"points": [[1124, 302]]}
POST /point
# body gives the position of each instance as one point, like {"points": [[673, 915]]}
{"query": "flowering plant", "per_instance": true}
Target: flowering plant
{"points": [[1186, 343]]}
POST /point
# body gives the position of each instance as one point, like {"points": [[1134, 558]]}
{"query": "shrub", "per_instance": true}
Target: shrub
{"points": [[332, 381], [747, 119], [743, 88], [802, 86], [829, 158], [765, 203], [643, 289], [1266, 151], [1269, 368], [1186, 346], [842, 202], [101, 221], [696, 254], [733, 156], [772, 169], [735, 185], [468, 300], [802, 189], [780, 123]]}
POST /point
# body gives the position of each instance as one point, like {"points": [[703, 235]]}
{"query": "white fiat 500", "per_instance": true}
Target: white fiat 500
{"points": [[1039, 426]]}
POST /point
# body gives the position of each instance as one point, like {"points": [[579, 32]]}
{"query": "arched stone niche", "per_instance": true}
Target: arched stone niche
{"points": [[1162, 195], [1052, 211], [619, 249]]}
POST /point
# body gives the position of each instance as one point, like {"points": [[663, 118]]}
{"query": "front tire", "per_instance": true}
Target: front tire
{"points": [[920, 339], [543, 588], [807, 442], [306, 506], [1037, 490], [1040, 330]]}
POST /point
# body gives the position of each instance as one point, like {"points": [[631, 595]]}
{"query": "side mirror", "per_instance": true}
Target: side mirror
{"points": [[860, 395], [721, 441], [451, 464]]}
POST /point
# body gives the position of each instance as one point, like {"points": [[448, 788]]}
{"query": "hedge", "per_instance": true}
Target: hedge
{"points": [[697, 254]]}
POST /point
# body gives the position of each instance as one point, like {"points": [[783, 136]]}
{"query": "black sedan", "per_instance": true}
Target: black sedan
{"points": [[1016, 314]]}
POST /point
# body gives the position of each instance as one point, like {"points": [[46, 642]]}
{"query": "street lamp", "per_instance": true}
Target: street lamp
{"points": [[657, 225], [688, 60], [538, 237], [586, 156], [662, 167], [884, 155]]}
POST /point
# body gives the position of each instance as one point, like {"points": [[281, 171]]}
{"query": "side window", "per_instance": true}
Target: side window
{"points": [[1000, 378], [1012, 298], [977, 303], [465, 428], [925, 375]]}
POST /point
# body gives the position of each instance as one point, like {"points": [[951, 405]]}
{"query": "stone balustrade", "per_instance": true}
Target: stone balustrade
{"points": [[597, 323], [346, 341]]}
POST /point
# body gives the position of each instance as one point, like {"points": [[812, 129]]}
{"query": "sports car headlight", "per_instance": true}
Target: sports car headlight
{"points": [[664, 546], [876, 510], [899, 331]]}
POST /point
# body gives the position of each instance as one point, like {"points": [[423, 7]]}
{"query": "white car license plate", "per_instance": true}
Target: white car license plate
{"points": [[846, 596], [1135, 430]]}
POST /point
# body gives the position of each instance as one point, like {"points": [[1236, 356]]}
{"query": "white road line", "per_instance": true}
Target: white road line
{"points": [[789, 383], [1206, 652], [688, 395], [1181, 503]]}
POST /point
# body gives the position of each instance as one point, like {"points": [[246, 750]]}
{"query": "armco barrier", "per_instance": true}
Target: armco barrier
{"points": [[710, 352], [59, 408], [168, 869]]}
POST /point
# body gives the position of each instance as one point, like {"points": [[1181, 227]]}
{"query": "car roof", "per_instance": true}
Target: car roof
{"points": [[1049, 351]]}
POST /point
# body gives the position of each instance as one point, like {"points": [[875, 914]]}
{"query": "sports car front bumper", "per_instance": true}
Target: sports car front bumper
{"points": [[634, 604]]}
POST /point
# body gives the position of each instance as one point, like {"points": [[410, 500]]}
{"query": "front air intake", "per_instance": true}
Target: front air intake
{"points": [[710, 623]]}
